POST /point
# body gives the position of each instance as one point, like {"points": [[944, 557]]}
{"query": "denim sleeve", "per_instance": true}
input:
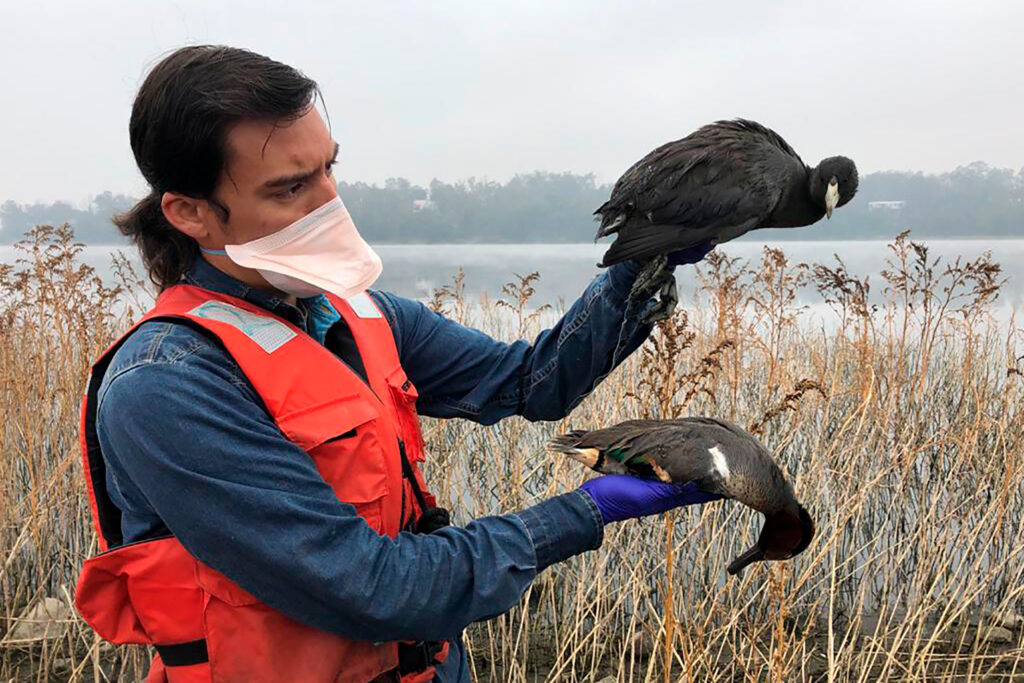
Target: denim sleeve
{"points": [[192, 445], [462, 372]]}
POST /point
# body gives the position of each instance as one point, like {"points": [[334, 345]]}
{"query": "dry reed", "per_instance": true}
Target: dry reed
{"points": [[901, 428]]}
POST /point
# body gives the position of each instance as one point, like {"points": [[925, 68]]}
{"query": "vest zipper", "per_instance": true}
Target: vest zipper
{"points": [[401, 516], [406, 470]]}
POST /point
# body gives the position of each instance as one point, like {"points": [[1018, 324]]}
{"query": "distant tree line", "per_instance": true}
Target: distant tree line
{"points": [[92, 225], [971, 201]]}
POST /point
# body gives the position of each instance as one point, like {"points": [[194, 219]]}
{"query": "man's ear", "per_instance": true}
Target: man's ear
{"points": [[185, 214]]}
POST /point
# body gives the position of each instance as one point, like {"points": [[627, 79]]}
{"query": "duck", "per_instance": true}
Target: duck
{"points": [[719, 456]]}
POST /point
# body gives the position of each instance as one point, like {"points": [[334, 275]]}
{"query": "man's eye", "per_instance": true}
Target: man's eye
{"points": [[294, 189]]}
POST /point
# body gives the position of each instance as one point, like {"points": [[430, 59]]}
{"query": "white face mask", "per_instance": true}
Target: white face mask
{"points": [[320, 252]]}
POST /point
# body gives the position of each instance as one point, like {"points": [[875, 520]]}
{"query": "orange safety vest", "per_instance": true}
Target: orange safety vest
{"points": [[206, 628]]}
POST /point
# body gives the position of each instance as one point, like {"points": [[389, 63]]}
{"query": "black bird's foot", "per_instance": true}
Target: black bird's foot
{"points": [[668, 299], [654, 277], [650, 278]]}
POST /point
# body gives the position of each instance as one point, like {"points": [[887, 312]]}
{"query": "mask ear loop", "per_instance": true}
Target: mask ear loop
{"points": [[225, 213]]}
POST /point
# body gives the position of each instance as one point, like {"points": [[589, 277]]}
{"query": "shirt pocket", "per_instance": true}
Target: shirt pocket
{"points": [[403, 396], [342, 438]]}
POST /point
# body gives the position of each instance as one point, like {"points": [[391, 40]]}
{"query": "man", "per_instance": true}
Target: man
{"points": [[252, 445]]}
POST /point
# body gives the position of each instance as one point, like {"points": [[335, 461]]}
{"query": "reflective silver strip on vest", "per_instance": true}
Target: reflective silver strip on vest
{"points": [[268, 333]]}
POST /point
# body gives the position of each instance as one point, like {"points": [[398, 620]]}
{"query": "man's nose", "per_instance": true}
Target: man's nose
{"points": [[324, 191]]}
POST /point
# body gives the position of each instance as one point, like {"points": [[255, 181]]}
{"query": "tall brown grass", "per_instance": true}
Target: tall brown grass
{"points": [[901, 426]]}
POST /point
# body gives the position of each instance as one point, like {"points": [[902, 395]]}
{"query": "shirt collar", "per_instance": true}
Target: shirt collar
{"points": [[204, 274]]}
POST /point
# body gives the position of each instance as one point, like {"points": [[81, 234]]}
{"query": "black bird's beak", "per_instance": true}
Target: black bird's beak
{"points": [[831, 197], [755, 554]]}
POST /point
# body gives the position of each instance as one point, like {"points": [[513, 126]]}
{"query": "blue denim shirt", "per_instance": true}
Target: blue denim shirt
{"points": [[191, 450]]}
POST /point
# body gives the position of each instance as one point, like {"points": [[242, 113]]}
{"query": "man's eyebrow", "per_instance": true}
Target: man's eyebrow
{"points": [[296, 177]]}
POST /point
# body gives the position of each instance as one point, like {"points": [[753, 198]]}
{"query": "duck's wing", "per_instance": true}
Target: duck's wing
{"points": [[610, 450], [741, 453], [619, 435], [717, 423], [690, 452], [679, 453]]}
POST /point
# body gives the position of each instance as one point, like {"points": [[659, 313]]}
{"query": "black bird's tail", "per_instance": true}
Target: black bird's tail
{"points": [[643, 242], [611, 220]]}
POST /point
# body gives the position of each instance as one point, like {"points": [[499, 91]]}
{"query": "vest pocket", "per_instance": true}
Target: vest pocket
{"points": [[403, 396], [141, 592], [249, 642], [312, 426], [223, 588], [341, 437]]}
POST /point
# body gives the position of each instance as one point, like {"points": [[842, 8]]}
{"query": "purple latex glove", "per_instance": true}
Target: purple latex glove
{"points": [[689, 255], [621, 496]]}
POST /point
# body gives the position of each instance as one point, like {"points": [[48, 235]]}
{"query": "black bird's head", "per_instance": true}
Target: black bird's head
{"points": [[784, 535], [834, 182]]}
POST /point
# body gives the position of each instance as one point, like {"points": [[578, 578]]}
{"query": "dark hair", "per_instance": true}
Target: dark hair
{"points": [[179, 126]]}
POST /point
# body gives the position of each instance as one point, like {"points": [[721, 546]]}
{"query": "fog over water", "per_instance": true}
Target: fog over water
{"points": [[416, 271]]}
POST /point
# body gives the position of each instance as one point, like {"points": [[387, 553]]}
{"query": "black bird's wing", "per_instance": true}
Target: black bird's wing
{"points": [[643, 241], [715, 184]]}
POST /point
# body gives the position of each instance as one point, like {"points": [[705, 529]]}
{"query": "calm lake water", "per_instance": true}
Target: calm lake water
{"points": [[565, 269]]}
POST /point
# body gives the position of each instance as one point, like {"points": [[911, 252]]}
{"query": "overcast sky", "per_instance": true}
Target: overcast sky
{"points": [[489, 89]]}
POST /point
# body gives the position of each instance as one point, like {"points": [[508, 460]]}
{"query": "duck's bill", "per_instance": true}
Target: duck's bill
{"points": [[753, 555]]}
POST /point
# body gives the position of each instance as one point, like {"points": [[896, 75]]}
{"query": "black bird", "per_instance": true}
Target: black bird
{"points": [[718, 455], [721, 181]]}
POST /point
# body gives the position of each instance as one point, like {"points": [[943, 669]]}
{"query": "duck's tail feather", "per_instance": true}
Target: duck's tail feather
{"points": [[566, 443]]}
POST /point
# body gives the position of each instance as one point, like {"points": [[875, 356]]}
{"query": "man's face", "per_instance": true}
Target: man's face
{"points": [[268, 184]]}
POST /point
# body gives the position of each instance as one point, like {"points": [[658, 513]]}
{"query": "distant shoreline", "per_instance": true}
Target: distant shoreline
{"points": [[741, 240]]}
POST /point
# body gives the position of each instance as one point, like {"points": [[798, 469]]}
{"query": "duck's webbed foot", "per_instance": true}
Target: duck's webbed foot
{"points": [[656, 276]]}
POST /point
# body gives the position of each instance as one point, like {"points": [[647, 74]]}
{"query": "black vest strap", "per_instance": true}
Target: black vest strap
{"points": [[413, 657], [184, 654], [109, 515], [433, 518]]}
